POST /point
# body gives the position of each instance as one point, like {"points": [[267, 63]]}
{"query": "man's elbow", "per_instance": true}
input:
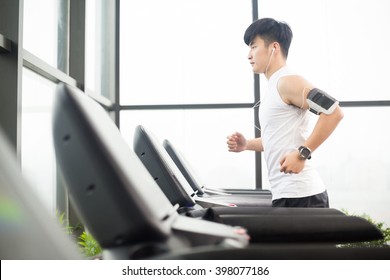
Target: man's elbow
{"points": [[339, 113], [336, 116]]}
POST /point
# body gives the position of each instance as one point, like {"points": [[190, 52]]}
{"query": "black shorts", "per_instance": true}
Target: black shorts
{"points": [[320, 200]]}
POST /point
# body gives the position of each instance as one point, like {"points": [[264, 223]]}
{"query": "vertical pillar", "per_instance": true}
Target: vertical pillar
{"points": [[256, 80], [11, 64]]}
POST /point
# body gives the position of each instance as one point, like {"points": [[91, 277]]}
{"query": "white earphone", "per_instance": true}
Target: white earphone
{"points": [[269, 61]]}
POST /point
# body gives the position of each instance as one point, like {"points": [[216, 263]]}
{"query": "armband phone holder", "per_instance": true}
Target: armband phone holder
{"points": [[321, 102]]}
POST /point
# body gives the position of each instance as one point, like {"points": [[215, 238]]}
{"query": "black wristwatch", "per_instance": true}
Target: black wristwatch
{"points": [[304, 152]]}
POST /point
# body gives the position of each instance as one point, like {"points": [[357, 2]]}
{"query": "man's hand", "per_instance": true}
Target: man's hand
{"points": [[242, 231], [291, 163], [236, 142]]}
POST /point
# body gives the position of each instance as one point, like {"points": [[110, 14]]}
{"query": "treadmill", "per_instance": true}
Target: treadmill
{"points": [[124, 209], [264, 223], [28, 231]]}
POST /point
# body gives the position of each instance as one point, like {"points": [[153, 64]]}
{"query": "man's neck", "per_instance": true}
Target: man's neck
{"points": [[273, 68]]}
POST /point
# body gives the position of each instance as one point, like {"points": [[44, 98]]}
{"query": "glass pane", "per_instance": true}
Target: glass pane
{"points": [[333, 44], [99, 44], [175, 52], [38, 162], [91, 54], [41, 22], [201, 136], [355, 162]]}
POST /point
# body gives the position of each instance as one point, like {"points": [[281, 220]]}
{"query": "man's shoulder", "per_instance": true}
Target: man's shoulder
{"points": [[292, 86]]}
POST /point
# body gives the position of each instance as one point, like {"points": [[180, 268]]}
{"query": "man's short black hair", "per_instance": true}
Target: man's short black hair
{"points": [[270, 31]]}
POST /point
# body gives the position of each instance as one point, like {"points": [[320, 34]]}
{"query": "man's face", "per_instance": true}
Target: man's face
{"points": [[259, 55]]}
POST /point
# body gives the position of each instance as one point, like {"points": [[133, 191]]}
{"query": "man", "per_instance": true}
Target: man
{"points": [[284, 118]]}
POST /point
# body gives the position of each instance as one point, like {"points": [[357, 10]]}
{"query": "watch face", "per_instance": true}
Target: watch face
{"points": [[304, 152]]}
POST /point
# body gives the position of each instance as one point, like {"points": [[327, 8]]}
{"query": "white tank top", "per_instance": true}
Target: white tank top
{"points": [[283, 129]]}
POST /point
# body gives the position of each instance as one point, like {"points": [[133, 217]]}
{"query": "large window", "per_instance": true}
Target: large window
{"points": [[190, 54], [187, 54], [179, 52]]}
